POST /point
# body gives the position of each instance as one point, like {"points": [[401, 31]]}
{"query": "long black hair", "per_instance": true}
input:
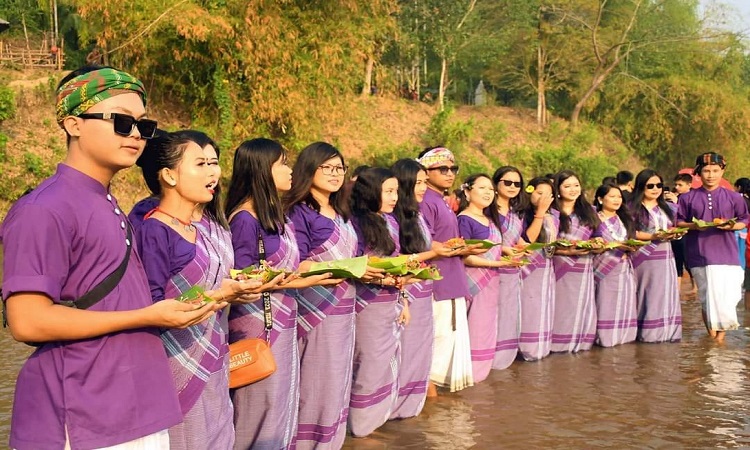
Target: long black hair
{"points": [[530, 210], [366, 202], [742, 186], [252, 179], [308, 161], [581, 208], [165, 151], [407, 209], [622, 211], [463, 202], [637, 210], [518, 203]]}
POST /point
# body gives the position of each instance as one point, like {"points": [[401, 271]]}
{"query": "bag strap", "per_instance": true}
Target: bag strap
{"points": [[267, 315], [106, 286]]}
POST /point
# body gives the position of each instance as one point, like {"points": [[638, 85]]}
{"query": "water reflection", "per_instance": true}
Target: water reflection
{"points": [[688, 395]]}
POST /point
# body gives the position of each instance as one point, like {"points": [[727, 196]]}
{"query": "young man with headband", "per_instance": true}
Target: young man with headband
{"points": [[100, 376], [451, 361], [712, 251]]}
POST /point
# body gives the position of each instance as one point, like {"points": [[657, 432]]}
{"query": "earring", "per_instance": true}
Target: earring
{"points": [[172, 183]]}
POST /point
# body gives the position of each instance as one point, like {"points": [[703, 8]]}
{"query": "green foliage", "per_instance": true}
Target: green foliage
{"points": [[35, 165], [443, 130], [3, 147], [7, 103]]}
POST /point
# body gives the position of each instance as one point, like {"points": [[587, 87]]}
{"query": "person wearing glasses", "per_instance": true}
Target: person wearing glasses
{"points": [[657, 294], [714, 254], [510, 207], [574, 324], [451, 362], [325, 314], [101, 365]]}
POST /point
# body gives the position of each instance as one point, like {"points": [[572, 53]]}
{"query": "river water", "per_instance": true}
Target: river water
{"points": [[695, 394]]}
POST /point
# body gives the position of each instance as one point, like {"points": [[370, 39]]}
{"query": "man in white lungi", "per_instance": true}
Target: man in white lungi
{"points": [[712, 250]]}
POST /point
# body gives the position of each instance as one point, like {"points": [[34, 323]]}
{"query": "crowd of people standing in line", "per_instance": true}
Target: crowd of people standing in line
{"points": [[135, 368]]}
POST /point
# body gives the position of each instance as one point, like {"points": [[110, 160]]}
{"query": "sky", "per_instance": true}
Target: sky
{"points": [[740, 19]]}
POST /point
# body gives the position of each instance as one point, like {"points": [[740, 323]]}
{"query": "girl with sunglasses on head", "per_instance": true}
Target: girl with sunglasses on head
{"points": [[477, 196], [541, 224], [509, 208], [574, 325], [382, 307], [416, 339], [657, 295], [617, 317], [177, 255], [325, 314], [265, 412]]}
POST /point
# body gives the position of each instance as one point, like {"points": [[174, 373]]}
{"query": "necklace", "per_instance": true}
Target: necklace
{"points": [[618, 237], [175, 220]]}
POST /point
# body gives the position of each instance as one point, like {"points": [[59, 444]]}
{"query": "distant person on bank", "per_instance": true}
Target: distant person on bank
{"points": [[714, 256]]}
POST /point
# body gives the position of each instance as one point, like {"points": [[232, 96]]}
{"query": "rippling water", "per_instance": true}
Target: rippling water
{"points": [[688, 395]]}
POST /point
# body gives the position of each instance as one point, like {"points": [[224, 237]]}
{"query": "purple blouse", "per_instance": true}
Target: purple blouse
{"points": [[165, 253], [469, 228], [140, 210], [443, 225], [60, 241], [311, 228], [711, 246], [245, 228]]}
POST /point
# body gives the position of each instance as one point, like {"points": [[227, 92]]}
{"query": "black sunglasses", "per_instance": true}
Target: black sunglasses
{"points": [[445, 169], [124, 123], [654, 185], [511, 183]]}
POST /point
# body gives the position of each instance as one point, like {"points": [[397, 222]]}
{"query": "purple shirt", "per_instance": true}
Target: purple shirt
{"points": [[61, 240], [165, 253], [245, 228], [443, 225], [470, 228], [711, 246], [311, 229]]}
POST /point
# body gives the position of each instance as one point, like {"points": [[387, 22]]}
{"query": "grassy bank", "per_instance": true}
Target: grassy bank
{"points": [[372, 130]]}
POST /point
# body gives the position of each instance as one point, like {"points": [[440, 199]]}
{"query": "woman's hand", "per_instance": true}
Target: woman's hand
{"points": [[405, 317], [441, 250], [324, 279], [473, 249], [373, 274]]}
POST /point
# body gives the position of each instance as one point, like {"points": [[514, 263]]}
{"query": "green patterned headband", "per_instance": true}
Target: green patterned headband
{"points": [[86, 90]]}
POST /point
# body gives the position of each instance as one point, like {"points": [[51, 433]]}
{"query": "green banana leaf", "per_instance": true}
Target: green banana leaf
{"points": [[536, 246], [195, 294], [342, 268], [704, 224], [388, 263], [636, 242], [485, 243], [426, 273]]}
